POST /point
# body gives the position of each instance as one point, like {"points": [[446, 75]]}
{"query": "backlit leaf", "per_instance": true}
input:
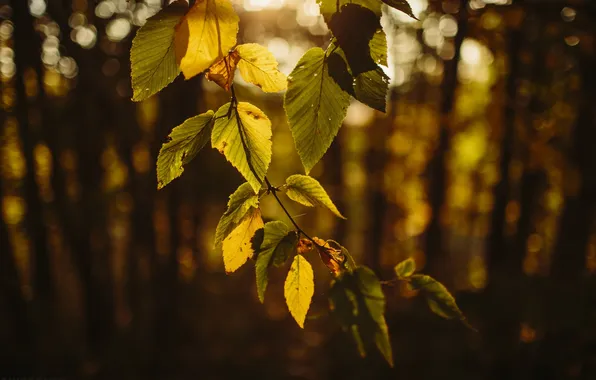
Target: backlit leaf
{"points": [[259, 67], [222, 71], [371, 88], [241, 202], [406, 268], [440, 301], [315, 106], [401, 5], [237, 246], [245, 139], [205, 35], [378, 47], [278, 244], [152, 57], [299, 289], [309, 192], [186, 140]]}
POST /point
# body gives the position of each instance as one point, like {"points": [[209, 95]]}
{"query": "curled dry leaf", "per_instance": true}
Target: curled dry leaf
{"points": [[304, 246], [331, 257], [222, 71]]}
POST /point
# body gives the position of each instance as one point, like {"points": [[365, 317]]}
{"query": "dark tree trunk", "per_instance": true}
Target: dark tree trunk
{"points": [[436, 167]]}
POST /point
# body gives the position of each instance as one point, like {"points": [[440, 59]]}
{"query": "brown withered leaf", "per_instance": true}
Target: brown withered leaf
{"points": [[331, 257], [304, 246], [222, 71]]}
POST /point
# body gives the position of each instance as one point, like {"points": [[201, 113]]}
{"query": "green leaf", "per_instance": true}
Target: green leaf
{"points": [[440, 301], [406, 268], [278, 244], [378, 47], [309, 192], [186, 140], [241, 202], [370, 287], [299, 289], [357, 301], [152, 56], [371, 88], [315, 106], [245, 139], [401, 5]]}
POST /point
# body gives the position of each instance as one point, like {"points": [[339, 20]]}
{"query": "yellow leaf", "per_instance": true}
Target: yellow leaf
{"points": [[299, 289], [259, 67], [237, 247], [222, 71], [205, 35]]}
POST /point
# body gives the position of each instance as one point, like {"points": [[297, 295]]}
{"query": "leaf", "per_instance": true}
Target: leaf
{"points": [[370, 287], [315, 106], [222, 71], [259, 67], [440, 301], [241, 202], [331, 257], [278, 244], [309, 192], [237, 246], [245, 139], [205, 35], [299, 289], [401, 5], [355, 41], [152, 57], [406, 268], [357, 301], [378, 47], [371, 88], [186, 140]]}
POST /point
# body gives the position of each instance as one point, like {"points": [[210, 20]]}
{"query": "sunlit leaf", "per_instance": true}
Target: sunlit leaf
{"points": [[222, 71], [371, 88], [237, 246], [315, 105], [406, 268], [259, 67], [241, 202], [245, 139], [378, 47], [186, 140], [440, 301], [152, 57], [278, 244], [299, 289], [357, 301], [401, 5], [205, 35], [309, 192]]}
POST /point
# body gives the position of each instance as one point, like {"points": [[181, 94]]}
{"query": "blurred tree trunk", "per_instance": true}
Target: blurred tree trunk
{"points": [[28, 55], [437, 184]]}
